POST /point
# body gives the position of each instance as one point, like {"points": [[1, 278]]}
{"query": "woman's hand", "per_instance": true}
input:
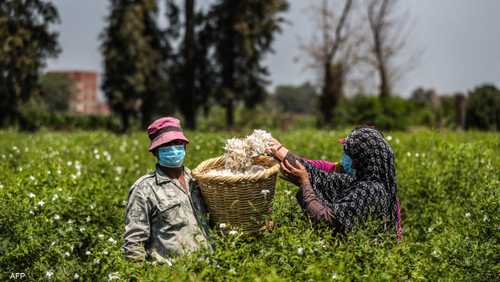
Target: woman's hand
{"points": [[296, 171], [277, 150]]}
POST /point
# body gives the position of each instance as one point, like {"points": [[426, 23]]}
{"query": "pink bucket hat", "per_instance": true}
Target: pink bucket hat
{"points": [[164, 130]]}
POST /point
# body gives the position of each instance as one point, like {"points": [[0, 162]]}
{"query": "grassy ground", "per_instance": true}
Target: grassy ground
{"points": [[63, 199]]}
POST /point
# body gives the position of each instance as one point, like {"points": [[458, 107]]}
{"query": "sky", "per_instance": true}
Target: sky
{"points": [[457, 43]]}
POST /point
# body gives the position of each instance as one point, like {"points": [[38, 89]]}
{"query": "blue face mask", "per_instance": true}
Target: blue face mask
{"points": [[347, 165], [171, 156]]}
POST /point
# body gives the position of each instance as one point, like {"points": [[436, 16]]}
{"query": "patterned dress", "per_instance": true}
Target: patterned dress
{"points": [[343, 200]]}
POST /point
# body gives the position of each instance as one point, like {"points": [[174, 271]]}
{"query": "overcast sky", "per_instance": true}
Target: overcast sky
{"points": [[458, 42]]}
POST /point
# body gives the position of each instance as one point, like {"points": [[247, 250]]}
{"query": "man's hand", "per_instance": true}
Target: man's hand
{"points": [[296, 171]]}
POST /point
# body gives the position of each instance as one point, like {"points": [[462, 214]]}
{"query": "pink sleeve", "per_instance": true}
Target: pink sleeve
{"points": [[323, 165]]}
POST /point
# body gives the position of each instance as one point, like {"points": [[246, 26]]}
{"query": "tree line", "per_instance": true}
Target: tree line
{"points": [[166, 56]]}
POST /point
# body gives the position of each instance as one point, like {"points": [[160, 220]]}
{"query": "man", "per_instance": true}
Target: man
{"points": [[165, 213]]}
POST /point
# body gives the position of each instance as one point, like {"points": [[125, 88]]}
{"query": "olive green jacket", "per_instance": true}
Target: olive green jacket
{"points": [[163, 220]]}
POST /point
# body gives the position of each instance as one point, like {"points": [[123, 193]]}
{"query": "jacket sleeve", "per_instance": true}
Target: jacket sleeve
{"points": [[319, 164], [314, 208], [137, 225]]}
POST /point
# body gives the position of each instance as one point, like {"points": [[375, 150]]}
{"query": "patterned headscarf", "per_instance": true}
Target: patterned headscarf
{"points": [[374, 161], [373, 189]]}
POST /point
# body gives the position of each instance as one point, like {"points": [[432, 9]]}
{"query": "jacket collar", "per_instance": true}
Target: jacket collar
{"points": [[161, 177]]}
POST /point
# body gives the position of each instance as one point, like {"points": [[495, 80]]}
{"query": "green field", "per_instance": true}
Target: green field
{"points": [[63, 200]]}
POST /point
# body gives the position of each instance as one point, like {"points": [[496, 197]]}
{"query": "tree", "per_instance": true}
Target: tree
{"points": [[27, 42], [243, 32], [387, 41], [296, 99], [331, 54], [56, 91], [134, 71], [192, 73], [483, 108]]}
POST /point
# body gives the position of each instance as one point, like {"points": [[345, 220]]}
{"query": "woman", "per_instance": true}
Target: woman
{"points": [[366, 184]]}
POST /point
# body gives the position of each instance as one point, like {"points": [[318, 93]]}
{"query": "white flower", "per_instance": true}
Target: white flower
{"points": [[467, 214], [59, 171], [334, 276], [124, 203], [97, 261], [105, 253], [32, 178], [55, 197], [66, 254], [41, 203], [430, 229], [119, 169], [417, 155], [300, 251], [1, 186], [76, 276], [53, 243], [88, 218], [82, 229], [69, 163], [49, 274], [92, 206], [70, 221], [57, 217], [111, 240], [397, 141], [222, 226], [485, 218], [113, 276], [408, 154], [87, 253], [233, 232], [31, 195], [32, 212], [265, 192], [389, 138], [100, 236], [232, 271]]}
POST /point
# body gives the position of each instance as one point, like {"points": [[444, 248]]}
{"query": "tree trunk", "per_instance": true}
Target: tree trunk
{"points": [[125, 117], [460, 111], [332, 91], [230, 114], [385, 90], [189, 68]]}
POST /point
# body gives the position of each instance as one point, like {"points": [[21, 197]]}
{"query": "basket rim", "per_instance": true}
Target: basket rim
{"points": [[199, 172]]}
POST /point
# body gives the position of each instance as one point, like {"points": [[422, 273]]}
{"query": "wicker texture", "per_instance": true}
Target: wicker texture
{"points": [[240, 201]]}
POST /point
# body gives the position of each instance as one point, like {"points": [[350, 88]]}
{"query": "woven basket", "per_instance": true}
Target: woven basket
{"points": [[238, 201]]}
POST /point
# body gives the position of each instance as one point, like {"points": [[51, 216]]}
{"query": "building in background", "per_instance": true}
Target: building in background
{"points": [[84, 98]]}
